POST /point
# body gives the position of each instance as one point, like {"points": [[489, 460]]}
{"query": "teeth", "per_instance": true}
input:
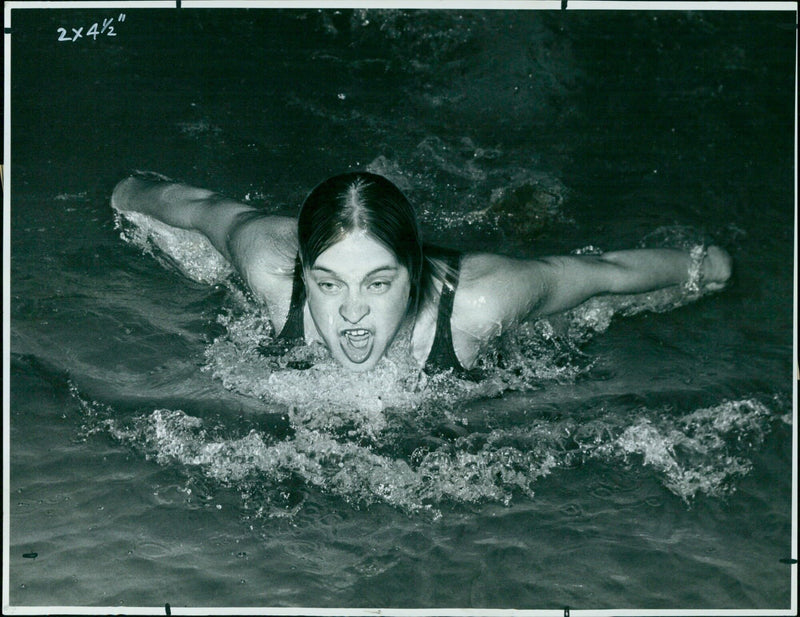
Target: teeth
{"points": [[357, 343]]}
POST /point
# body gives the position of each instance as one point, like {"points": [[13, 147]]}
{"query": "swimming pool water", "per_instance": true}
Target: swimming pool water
{"points": [[633, 454]]}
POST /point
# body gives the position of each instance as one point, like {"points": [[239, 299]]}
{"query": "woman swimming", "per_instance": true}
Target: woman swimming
{"points": [[352, 271]]}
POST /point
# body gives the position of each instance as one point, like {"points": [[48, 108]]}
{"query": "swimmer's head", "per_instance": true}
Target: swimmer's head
{"points": [[362, 202], [362, 258]]}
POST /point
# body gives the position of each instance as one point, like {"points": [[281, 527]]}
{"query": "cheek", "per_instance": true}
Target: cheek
{"points": [[323, 309], [404, 297], [394, 305]]}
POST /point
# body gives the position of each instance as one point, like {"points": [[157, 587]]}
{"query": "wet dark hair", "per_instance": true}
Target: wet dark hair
{"points": [[371, 203]]}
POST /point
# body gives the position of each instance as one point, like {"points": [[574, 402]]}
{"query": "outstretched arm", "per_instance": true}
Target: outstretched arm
{"points": [[570, 280], [260, 246], [496, 292], [184, 206]]}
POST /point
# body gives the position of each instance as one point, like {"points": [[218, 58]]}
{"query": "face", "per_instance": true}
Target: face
{"points": [[358, 294]]}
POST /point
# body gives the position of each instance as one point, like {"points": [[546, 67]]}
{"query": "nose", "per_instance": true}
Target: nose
{"points": [[354, 309]]}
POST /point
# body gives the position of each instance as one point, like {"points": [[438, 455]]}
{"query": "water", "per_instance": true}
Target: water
{"points": [[635, 453]]}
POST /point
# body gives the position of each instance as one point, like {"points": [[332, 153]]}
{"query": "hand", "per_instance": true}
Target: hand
{"points": [[717, 267]]}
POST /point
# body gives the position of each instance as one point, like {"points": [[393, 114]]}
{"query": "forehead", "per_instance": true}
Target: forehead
{"points": [[357, 252]]}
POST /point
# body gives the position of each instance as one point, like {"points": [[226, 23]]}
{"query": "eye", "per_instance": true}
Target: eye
{"points": [[380, 286], [329, 287]]}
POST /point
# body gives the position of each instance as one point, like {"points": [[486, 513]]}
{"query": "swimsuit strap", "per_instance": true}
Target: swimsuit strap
{"points": [[293, 328], [442, 355]]}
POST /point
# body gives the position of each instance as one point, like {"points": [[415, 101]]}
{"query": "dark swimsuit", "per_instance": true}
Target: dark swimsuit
{"points": [[442, 356]]}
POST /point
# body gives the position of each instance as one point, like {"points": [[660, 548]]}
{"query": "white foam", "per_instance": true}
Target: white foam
{"points": [[188, 251], [701, 452]]}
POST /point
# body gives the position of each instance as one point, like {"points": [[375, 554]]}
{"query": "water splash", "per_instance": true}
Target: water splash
{"points": [[704, 451], [433, 453], [187, 251]]}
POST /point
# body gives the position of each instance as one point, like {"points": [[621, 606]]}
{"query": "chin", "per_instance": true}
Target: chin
{"points": [[359, 367]]}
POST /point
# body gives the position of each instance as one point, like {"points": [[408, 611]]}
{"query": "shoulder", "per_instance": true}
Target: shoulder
{"points": [[263, 249], [496, 291], [493, 293], [253, 233]]}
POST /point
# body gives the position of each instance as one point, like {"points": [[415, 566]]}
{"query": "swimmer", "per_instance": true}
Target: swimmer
{"points": [[352, 272]]}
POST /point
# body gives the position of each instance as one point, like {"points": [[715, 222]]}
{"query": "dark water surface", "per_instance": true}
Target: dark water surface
{"points": [[635, 454]]}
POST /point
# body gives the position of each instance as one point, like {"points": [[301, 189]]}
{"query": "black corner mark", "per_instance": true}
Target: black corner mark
{"points": [[566, 608], [788, 560], [167, 609], [564, 5]]}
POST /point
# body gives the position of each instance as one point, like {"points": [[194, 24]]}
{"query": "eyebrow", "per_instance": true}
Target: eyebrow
{"points": [[368, 274]]}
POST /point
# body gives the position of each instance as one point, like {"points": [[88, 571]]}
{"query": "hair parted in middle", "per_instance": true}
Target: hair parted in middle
{"points": [[363, 201]]}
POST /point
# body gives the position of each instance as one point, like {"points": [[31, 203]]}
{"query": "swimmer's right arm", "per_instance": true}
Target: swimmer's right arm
{"points": [[225, 222]]}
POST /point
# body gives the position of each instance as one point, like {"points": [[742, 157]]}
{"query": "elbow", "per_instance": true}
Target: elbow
{"points": [[121, 193]]}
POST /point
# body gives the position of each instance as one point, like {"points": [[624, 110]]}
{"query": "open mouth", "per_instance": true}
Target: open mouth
{"points": [[356, 343]]}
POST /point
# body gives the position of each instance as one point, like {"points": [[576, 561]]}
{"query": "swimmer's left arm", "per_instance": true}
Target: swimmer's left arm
{"points": [[568, 281], [508, 291]]}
